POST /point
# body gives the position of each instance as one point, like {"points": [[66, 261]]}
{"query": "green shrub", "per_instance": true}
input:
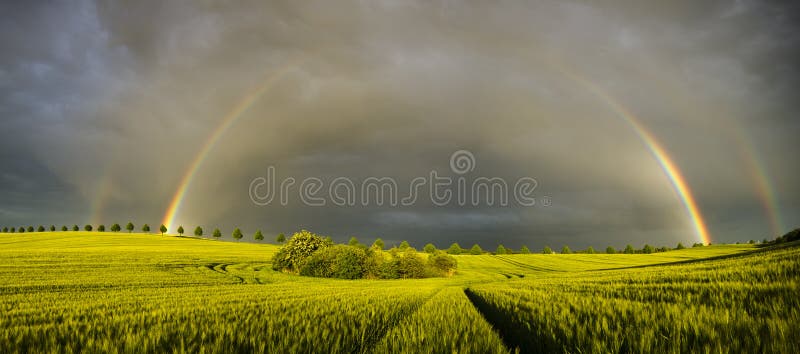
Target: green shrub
{"points": [[339, 261], [292, 256], [410, 265], [442, 264]]}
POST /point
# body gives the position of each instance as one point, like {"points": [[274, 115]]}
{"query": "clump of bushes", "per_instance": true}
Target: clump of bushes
{"points": [[312, 255]]}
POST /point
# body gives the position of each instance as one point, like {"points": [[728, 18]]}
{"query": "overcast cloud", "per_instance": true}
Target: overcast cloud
{"points": [[103, 106]]}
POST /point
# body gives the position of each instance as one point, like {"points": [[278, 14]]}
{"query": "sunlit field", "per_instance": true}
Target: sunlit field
{"points": [[119, 292]]}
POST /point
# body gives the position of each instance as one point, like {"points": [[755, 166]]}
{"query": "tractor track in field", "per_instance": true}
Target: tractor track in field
{"points": [[525, 265], [222, 268], [369, 343]]}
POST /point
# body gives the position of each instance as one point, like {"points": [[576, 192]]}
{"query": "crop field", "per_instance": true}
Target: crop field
{"points": [[119, 292]]}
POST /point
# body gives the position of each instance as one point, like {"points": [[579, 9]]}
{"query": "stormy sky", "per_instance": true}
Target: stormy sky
{"points": [[104, 106]]}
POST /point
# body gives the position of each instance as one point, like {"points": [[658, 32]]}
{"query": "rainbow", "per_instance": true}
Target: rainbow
{"points": [[759, 176], [655, 147], [227, 121]]}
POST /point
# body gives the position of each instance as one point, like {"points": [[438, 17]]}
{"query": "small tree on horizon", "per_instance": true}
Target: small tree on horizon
{"points": [[590, 250], [52, 228], [64, 228], [40, 229], [353, 241], [404, 245], [524, 250], [129, 227], [101, 228], [429, 248], [454, 248], [476, 249], [610, 250], [647, 249], [163, 229], [237, 234], [22, 229], [30, 228], [258, 236], [146, 228], [198, 231], [88, 227], [565, 250], [180, 230], [13, 230], [547, 250], [115, 228], [281, 238], [217, 233], [378, 244], [680, 246], [629, 249], [500, 250]]}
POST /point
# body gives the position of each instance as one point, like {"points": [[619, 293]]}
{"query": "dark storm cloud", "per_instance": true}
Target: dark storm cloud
{"points": [[107, 103]]}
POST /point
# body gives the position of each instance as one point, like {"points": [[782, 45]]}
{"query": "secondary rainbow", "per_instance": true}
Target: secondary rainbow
{"points": [[658, 151], [238, 110]]}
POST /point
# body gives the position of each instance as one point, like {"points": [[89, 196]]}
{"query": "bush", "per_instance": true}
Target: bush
{"points": [[339, 261], [302, 244], [410, 265], [441, 263]]}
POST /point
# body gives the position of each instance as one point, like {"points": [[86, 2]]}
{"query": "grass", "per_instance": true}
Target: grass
{"points": [[119, 292]]}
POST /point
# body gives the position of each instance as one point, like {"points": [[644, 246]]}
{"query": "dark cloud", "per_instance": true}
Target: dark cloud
{"points": [[104, 106]]}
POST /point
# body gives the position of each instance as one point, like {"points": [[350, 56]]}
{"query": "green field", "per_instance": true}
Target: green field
{"points": [[119, 292]]}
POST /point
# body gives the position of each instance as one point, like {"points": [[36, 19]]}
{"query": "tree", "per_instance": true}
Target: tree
{"points": [[647, 249], [40, 229], [610, 250], [30, 228], [752, 242], [296, 252], [590, 250], [217, 233], [500, 250], [680, 246], [258, 236], [87, 227], [52, 228], [628, 249], [115, 228], [198, 231], [404, 245], [454, 249], [378, 244], [5, 229], [22, 229], [547, 250], [476, 249], [353, 241], [101, 228], [281, 238], [75, 228], [524, 250], [146, 228], [237, 234], [180, 230], [163, 229], [429, 248], [129, 227], [565, 250], [64, 228]]}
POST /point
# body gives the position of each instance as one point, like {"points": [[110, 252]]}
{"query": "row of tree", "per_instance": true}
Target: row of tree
{"points": [[130, 227], [476, 249]]}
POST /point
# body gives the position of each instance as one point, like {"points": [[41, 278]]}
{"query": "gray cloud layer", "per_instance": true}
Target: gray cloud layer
{"points": [[104, 105]]}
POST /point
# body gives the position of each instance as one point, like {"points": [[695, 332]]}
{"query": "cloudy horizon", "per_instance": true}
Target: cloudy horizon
{"points": [[105, 107]]}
